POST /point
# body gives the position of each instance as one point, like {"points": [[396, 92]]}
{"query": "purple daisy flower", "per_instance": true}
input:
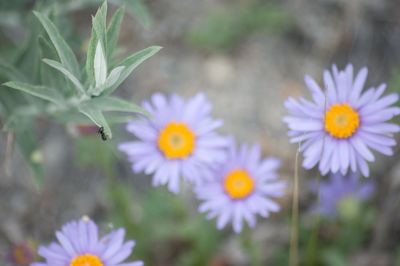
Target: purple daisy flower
{"points": [[179, 140], [80, 245], [339, 129], [241, 188], [338, 188]]}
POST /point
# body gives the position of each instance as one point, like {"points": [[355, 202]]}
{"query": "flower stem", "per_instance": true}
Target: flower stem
{"points": [[294, 232]]}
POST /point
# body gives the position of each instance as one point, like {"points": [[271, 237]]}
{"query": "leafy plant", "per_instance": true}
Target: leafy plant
{"points": [[61, 86]]}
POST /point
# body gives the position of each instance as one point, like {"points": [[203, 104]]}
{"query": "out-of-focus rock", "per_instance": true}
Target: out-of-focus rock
{"points": [[219, 70], [234, 252]]}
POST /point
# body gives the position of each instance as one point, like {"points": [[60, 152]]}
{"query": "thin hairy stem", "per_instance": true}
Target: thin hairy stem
{"points": [[294, 231]]}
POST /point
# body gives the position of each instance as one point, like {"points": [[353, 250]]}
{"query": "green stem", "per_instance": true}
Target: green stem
{"points": [[294, 231]]}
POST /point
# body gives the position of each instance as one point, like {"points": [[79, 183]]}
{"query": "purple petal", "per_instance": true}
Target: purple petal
{"points": [[330, 87], [358, 84], [361, 148]]}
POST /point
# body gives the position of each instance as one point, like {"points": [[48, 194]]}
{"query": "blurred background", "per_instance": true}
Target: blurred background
{"points": [[247, 56]]}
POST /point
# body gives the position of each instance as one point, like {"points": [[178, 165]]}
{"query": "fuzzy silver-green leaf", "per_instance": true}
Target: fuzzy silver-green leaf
{"points": [[109, 103], [42, 92], [131, 63], [94, 114], [66, 72], [64, 52]]}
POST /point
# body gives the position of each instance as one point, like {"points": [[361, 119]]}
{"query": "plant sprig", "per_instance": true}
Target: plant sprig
{"points": [[92, 88], [42, 77]]}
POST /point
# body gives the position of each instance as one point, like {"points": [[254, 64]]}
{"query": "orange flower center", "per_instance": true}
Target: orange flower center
{"points": [[341, 121], [176, 141], [86, 260], [238, 184]]}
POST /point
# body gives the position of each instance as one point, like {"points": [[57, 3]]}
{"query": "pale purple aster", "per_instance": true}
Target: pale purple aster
{"points": [[146, 155], [78, 240], [218, 202], [339, 187], [306, 122]]}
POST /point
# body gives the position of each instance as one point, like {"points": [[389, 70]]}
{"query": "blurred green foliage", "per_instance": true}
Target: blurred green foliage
{"points": [[13, 13], [331, 241], [225, 28], [397, 258]]}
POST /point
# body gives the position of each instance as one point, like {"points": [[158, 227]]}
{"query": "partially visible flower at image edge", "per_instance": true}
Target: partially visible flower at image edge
{"points": [[79, 244], [22, 254], [242, 188], [178, 141], [338, 131], [338, 188]]}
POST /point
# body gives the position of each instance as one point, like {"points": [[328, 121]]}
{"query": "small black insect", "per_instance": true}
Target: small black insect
{"points": [[102, 134]]}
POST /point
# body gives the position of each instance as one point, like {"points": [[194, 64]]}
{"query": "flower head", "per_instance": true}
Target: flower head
{"points": [[338, 188], [339, 129], [242, 187], [22, 254], [179, 140], [79, 244]]}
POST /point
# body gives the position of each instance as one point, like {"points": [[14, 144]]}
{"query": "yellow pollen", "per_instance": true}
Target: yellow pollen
{"points": [[238, 184], [341, 121], [86, 260], [176, 141]]}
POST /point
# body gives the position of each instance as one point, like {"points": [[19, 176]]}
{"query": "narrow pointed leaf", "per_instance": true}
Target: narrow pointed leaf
{"points": [[65, 53], [94, 114], [140, 11], [131, 63], [66, 73], [99, 24], [100, 65], [109, 103], [109, 82], [49, 76], [79, 118], [38, 91], [93, 53], [90, 57], [114, 76], [113, 31]]}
